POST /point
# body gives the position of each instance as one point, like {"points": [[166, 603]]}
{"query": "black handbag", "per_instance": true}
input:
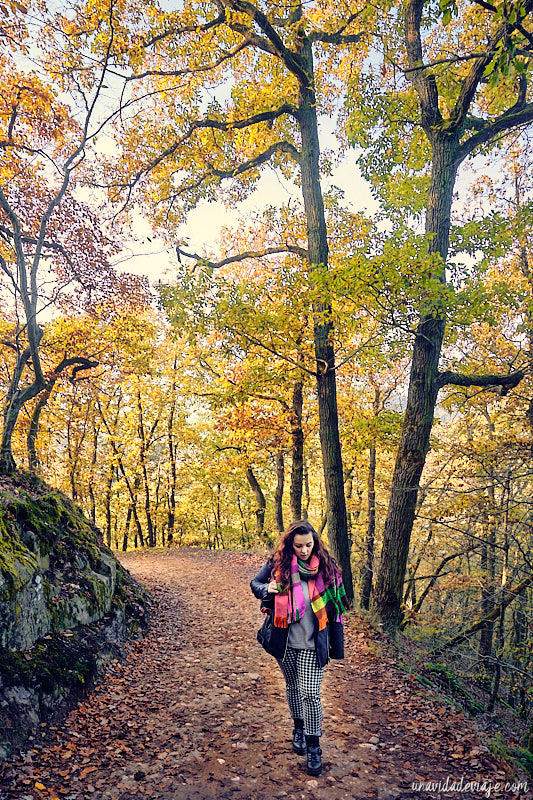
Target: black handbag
{"points": [[264, 634]]}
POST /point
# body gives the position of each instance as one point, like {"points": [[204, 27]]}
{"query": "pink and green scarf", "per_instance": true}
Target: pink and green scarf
{"points": [[328, 601]]}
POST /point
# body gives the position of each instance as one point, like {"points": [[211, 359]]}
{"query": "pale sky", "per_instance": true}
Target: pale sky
{"points": [[204, 223]]}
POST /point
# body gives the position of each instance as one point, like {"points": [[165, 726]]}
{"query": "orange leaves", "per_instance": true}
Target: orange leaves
{"points": [[31, 117]]}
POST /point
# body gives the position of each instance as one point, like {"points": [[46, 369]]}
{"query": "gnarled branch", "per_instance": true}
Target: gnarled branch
{"points": [[506, 382]]}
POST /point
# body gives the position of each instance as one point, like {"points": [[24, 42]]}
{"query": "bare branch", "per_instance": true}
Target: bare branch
{"points": [[450, 60], [253, 39], [337, 38], [503, 123], [486, 5], [267, 251], [424, 83], [277, 147]]}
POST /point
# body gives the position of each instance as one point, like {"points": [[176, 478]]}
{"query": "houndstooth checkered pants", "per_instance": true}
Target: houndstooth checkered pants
{"points": [[303, 677]]}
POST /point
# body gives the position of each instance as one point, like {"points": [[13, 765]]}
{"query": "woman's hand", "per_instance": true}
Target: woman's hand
{"points": [[272, 588]]}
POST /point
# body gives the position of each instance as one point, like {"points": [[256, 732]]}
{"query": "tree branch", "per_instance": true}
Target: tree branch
{"points": [[506, 382], [338, 37], [450, 60], [253, 39], [472, 80], [267, 251], [424, 84], [187, 29], [176, 73], [509, 596], [277, 147], [32, 240], [433, 579], [503, 123], [290, 59], [215, 124]]}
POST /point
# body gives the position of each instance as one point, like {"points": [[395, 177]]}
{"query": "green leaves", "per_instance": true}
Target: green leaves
{"points": [[448, 8]]}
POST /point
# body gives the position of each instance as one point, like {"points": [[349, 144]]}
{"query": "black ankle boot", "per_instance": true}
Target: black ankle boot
{"points": [[298, 737], [314, 755]]}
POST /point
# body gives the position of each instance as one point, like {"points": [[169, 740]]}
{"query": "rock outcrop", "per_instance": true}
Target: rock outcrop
{"points": [[66, 605]]}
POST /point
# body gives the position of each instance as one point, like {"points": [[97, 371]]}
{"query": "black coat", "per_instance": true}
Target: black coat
{"points": [[329, 642]]}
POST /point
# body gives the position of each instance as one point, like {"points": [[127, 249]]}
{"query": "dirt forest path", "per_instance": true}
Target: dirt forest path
{"points": [[197, 711]]}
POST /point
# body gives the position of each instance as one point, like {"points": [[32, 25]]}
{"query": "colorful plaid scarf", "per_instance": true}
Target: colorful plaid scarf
{"points": [[327, 601]]}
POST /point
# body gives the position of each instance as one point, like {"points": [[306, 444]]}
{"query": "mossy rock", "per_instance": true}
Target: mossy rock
{"points": [[65, 601], [55, 571]]}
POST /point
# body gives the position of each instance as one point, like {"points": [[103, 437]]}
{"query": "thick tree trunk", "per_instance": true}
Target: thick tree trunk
{"points": [[278, 494], [421, 399], [322, 324]]}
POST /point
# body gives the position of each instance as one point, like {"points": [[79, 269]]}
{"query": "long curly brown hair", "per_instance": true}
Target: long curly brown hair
{"points": [[283, 552]]}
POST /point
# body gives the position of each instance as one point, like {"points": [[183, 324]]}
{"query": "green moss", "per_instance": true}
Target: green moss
{"points": [[51, 664], [525, 758], [449, 681], [17, 563]]}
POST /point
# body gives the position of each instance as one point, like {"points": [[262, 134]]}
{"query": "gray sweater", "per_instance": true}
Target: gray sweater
{"points": [[301, 634]]}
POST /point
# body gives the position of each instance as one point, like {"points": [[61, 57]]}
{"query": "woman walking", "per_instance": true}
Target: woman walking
{"points": [[301, 591]]}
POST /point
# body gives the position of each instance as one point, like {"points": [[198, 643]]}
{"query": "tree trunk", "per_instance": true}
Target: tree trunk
{"points": [[306, 494], [31, 441], [107, 504], [421, 399], [297, 466], [133, 496], [94, 461], [368, 566], [278, 494], [172, 460], [16, 398], [260, 502], [487, 595], [146, 483], [126, 530], [322, 323], [244, 526]]}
